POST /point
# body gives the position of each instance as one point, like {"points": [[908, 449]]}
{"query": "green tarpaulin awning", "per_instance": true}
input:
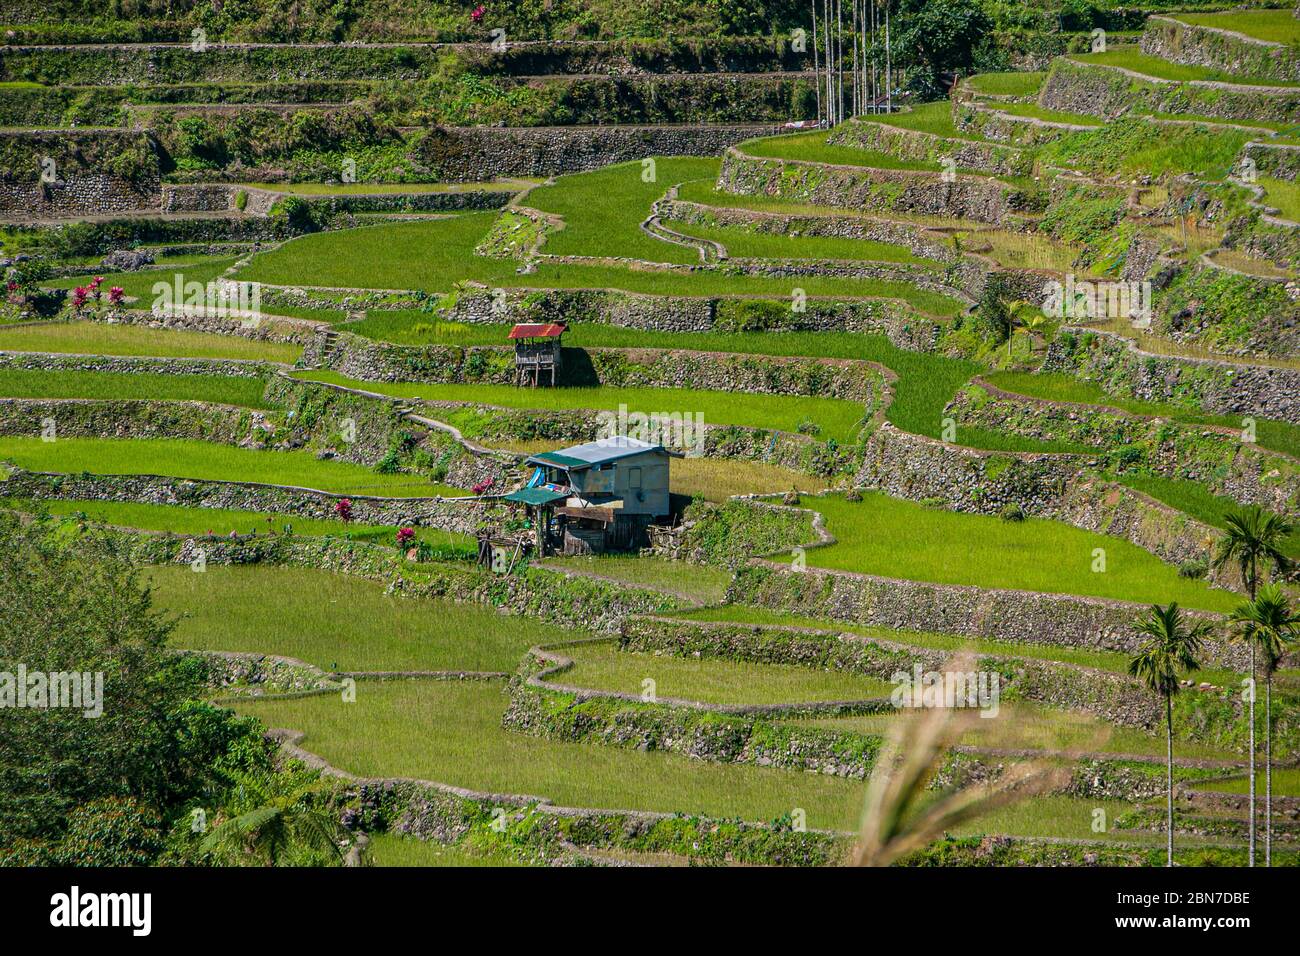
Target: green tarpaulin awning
{"points": [[536, 496]]}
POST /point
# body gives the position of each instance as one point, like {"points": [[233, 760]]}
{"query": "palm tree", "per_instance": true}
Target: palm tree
{"points": [[1171, 648], [1253, 537], [1269, 623], [273, 813]]}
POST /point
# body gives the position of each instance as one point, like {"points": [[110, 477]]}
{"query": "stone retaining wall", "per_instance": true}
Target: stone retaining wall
{"points": [[1075, 87], [763, 736], [987, 121], [1224, 49], [463, 154], [994, 159], [1278, 160], [458, 515], [1217, 458], [1113, 697], [128, 418], [968, 197], [262, 328], [199, 197], [535, 592], [994, 614], [1220, 388], [130, 364], [1053, 486], [926, 243], [369, 360], [57, 174]]}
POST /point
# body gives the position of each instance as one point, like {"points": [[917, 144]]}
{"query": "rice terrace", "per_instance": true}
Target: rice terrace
{"points": [[682, 433]]}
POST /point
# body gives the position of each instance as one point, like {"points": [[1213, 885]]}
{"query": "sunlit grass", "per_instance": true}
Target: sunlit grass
{"points": [[451, 732], [178, 519], [340, 622], [1034, 111], [393, 849], [897, 538], [1275, 26], [836, 418], [1033, 726], [97, 338], [72, 383], [436, 255], [602, 666], [1193, 498], [179, 458], [926, 381], [1284, 194], [1133, 59], [716, 479], [748, 243], [1286, 783], [603, 209], [1274, 435], [1095, 658], [1006, 84]]}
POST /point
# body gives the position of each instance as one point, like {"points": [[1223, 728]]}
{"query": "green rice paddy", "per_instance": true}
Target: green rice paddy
{"points": [[179, 458]]}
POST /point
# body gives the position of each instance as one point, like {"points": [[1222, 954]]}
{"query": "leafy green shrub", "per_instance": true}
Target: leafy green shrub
{"points": [[111, 832], [1012, 512]]}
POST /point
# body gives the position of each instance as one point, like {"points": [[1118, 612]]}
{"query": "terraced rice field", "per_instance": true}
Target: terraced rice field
{"points": [[416, 644]]}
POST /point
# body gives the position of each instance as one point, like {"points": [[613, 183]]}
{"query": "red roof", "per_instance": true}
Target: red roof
{"points": [[537, 330]]}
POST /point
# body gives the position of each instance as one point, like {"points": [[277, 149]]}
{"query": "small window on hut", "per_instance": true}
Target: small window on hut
{"points": [[634, 478]]}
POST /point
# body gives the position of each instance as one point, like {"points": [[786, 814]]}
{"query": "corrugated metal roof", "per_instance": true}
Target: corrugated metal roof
{"points": [[537, 330], [595, 452]]}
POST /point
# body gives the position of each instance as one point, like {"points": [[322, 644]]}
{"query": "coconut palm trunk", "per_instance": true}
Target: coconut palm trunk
{"points": [[1169, 777], [1252, 753], [1268, 769]]}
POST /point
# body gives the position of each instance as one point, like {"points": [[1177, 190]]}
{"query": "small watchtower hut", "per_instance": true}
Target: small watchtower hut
{"points": [[537, 352]]}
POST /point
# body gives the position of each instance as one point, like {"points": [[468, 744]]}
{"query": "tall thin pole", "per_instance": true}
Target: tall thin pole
{"points": [[830, 88], [875, 95], [839, 56], [857, 106], [889, 79], [817, 70]]}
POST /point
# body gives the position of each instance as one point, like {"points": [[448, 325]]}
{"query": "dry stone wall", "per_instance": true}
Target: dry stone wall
{"points": [[466, 154], [126, 418], [849, 379], [994, 614], [1111, 696], [56, 174], [851, 187], [1056, 486], [994, 159], [1118, 366], [1076, 87], [1225, 49], [458, 515], [128, 364], [1218, 458]]}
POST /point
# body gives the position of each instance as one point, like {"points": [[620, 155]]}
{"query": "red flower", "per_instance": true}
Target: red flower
{"points": [[115, 295], [477, 14], [404, 536], [343, 508], [483, 486]]}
